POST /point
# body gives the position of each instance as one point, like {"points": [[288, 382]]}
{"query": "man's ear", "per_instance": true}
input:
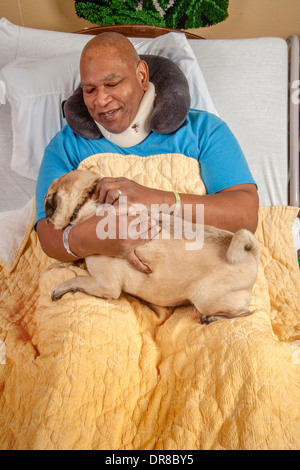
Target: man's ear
{"points": [[143, 74]]}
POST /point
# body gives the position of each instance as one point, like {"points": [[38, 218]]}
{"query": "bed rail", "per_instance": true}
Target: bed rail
{"points": [[294, 98]]}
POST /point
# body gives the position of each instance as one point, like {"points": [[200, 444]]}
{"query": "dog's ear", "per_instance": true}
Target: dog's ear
{"points": [[93, 187], [50, 206], [97, 181]]}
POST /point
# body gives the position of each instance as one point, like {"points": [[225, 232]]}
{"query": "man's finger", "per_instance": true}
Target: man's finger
{"points": [[137, 263], [104, 186], [142, 227], [121, 208], [112, 196]]}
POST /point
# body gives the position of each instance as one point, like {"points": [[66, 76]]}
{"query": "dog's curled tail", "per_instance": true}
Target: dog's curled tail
{"points": [[242, 243]]}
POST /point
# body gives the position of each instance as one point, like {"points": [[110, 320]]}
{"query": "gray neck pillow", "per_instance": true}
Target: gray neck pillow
{"points": [[172, 102]]}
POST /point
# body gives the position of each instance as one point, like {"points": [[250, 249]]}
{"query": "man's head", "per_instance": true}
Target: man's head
{"points": [[113, 80]]}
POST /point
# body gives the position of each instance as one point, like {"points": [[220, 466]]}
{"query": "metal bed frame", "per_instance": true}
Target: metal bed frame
{"points": [[294, 99]]}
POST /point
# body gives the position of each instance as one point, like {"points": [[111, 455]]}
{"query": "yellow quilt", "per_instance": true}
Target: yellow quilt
{"points": [[87, 373]]}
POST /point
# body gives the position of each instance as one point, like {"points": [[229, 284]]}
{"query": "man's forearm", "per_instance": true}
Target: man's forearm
{"points": [[52, 241], [83, 240], [229, 210]]}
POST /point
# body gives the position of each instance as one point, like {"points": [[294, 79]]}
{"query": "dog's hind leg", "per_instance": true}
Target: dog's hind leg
{"points": [[222, 316], [88, 285], [228, 306]]}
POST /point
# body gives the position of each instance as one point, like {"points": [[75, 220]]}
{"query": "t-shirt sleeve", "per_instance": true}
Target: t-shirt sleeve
{"points": [[222, 161], [56, 162]]}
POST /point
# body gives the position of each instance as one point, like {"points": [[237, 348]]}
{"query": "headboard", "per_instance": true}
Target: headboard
{"points": [[136, 31]]}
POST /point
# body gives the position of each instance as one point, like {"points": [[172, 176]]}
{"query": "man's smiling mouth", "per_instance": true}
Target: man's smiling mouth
{"points": [[109, 113]]}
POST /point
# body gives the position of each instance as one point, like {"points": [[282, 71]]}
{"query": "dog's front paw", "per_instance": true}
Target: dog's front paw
{"points": [[56, 294]]}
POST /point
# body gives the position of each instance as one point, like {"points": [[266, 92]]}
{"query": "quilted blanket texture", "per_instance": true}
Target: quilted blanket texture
{"points": [[88, 373]]}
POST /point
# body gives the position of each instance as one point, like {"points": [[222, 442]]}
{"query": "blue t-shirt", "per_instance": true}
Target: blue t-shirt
{"points": [[203, 136]]}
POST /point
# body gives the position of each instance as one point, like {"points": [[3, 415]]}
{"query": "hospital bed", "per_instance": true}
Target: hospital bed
{"points": [[96, 374]]}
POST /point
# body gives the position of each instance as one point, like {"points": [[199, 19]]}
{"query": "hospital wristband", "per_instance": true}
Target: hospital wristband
{"points": [[177, 203], [66, 240]]}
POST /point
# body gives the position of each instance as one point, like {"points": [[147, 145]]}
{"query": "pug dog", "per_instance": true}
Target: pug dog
{"points": [[217, 276]]}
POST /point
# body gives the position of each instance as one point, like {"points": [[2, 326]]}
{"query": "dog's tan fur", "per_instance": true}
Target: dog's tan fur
{"points": [[217, 279]]}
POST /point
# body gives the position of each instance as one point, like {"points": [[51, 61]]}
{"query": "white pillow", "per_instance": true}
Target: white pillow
{"points": [[36, 88], [8, 42], [176, 47], [18, 42]]}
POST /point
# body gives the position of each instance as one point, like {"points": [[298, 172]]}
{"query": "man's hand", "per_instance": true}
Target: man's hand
{"points": [[89, 238], [117, 234], [109, 190]]}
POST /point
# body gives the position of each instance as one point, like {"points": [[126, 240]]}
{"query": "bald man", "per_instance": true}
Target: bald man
{"points": [[114, 80], [116, 89]]}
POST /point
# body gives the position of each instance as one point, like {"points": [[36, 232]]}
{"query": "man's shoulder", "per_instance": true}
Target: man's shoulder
{"points": [[203, 121], [65, 138], [204, 116], [67, 133]]}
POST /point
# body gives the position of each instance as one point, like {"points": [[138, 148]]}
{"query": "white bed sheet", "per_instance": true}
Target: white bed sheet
{"points": [[16, 191], [247, 80]]}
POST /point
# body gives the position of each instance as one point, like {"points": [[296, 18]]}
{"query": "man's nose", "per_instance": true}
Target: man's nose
{"points": [[103, 98]]}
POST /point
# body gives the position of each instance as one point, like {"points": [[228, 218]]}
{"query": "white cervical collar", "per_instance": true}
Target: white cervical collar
{"points": [[139, 128]]}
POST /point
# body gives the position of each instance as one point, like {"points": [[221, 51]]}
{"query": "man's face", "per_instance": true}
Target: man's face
{"points": [[113, 88]]}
